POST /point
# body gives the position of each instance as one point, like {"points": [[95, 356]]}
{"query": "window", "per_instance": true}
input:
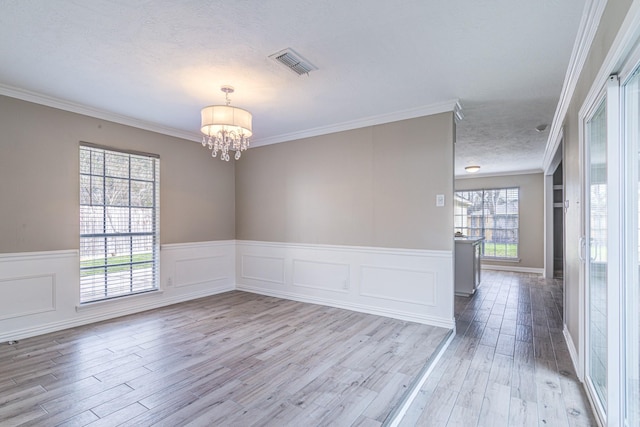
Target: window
{"points": [[119, 223], [492, 214]]}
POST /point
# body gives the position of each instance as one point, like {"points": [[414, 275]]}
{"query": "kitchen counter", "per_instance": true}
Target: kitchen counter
{"points": [[467, 265]]}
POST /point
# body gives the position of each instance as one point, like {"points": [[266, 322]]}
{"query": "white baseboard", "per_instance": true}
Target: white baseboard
{"points": [[408, 284], [514, 268], [40, 291], [572, 352], [23, 333], [427, 320]]}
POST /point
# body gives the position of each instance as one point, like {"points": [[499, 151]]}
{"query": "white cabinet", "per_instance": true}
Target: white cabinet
{"points": [[467, 265]]}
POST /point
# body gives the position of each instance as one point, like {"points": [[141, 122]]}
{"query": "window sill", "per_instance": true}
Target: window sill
{"points": [[94, 304]]}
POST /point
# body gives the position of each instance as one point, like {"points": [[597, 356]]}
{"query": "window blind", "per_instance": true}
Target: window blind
{"points": [[119, 222], [492, 214]]}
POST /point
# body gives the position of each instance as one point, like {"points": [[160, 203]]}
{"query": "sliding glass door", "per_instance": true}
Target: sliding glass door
{"points": [[631, 283], [595, 186], [611, 250]]}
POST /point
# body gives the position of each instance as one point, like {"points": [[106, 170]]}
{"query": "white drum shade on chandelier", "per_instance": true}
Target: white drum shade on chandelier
{"points": [[225, 128]]}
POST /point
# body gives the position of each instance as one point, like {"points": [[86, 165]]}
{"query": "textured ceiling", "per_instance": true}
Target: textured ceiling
{"points": [[161, 61]]}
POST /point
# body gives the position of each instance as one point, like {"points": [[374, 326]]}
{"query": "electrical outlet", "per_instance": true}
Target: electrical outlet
{"points": [[439, 200], [169, 281]]}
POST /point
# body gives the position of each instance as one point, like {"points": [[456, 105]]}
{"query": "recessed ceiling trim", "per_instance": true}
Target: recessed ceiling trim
{"points": [[412, 113], [97, 113]]}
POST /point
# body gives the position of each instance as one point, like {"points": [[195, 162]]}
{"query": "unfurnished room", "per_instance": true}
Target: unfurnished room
{"points": [[320, 213]]}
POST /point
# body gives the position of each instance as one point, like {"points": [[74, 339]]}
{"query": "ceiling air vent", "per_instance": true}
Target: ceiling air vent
{"points": [[293, 61]]}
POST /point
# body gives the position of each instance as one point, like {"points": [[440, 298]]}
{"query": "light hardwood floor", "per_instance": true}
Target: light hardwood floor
{"points": [[508, 364], [235, 359]]}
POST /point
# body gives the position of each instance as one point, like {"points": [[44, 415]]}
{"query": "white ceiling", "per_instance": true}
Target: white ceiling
{"points": [[161, 61]]}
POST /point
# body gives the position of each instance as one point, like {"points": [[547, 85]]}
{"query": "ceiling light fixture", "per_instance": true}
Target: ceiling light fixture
{"points": [[541, 128], [225, 128], [472, 169]]}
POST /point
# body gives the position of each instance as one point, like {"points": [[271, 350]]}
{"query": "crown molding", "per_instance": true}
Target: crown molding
{"points": [[437, 108], [61, 104], [593, 10], [507, 173], [627, 37]]}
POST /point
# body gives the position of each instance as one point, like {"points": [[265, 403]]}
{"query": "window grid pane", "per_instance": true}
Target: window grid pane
{"points": [[118, 224], [492, 214]]}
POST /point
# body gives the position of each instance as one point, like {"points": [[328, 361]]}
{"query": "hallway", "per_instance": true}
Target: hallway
{"points": [[508, 364]]}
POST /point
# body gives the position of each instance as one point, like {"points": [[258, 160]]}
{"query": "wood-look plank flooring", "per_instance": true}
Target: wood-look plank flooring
{"points": [[234, 359], [508, 364]]}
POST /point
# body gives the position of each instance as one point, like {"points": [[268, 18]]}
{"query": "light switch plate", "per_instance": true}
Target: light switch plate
{"points": [[439, 200]]}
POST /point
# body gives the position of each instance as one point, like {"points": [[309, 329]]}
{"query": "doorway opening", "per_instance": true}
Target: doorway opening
{"points": [[558, 223]]}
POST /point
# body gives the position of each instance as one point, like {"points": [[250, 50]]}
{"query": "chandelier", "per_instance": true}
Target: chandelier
{"points": [[225, 128]]}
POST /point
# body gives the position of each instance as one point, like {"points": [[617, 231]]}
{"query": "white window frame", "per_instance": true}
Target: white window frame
{"points": [[107, 276], [490, 257]]}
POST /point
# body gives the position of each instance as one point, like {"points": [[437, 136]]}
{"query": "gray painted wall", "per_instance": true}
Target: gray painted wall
{"points": [[608, 28], [374, 186], [39, 190], [531, 233]]}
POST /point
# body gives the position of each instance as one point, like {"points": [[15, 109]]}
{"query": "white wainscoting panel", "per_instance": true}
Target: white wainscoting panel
{"points": [[413, 285], [262, 268], [321, 275], [190, 267], [39, 291], [195, 271], [27, 295]]}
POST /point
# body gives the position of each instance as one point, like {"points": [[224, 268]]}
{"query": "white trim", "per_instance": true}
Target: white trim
{"points": [[399, 415], [507, 173], [515, 269], [596, 407], [615, 256], [196, 245], [33, 256], [102, 302], [591, 15], [297, 262], [52, 307], [363, 293], [573, 352], [628, 33], [414, 285], [411, 113], [73, 107], [341, 248], [116, 312], [243, 275], [361, 308], [556, 155]]}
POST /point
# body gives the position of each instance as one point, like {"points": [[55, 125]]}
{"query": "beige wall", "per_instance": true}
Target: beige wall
{"points": [[374, 186], [531, 232], [39, 188], [612, 18]]}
